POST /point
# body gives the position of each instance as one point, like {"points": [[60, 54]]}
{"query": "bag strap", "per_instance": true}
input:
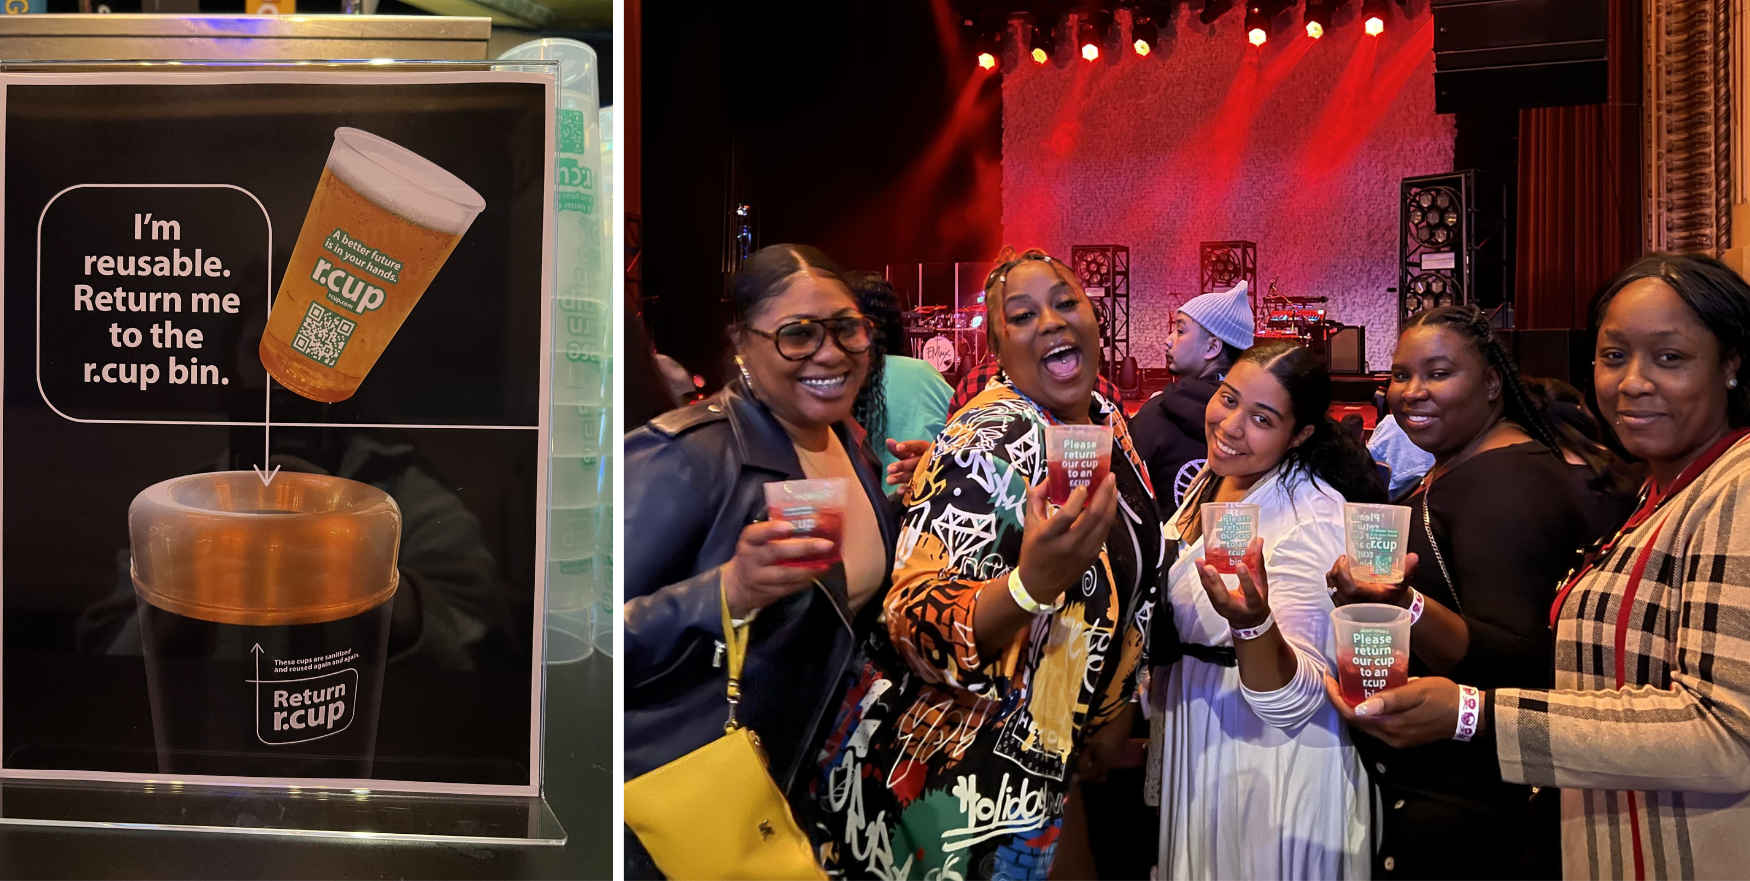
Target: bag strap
{"points": [[735, 646]]}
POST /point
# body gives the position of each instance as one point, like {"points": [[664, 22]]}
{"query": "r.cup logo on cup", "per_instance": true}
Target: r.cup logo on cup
{"points": [[305, 709]]}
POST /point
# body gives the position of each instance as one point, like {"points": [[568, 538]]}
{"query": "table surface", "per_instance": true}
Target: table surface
{"points": [[579, 776]]}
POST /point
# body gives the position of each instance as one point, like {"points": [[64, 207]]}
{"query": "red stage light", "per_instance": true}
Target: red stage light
{"points": [[1090, 52], [1039, 56], [1314, 29], [987, 60], [1375, 26], [1142, 48], [1257, 36]]}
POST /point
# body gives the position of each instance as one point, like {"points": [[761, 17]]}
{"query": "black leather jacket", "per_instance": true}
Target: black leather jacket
{"points": [[694, 477]]}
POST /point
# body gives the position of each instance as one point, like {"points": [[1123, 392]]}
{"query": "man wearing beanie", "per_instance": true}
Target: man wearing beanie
{"points": [[1207, 336]]}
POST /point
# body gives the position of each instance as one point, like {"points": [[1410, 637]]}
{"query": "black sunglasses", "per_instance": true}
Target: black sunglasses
{"points": [[799, 340]]}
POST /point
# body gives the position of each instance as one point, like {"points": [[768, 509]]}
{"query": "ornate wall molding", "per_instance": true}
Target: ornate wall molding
{"points": [[1690, 121]]}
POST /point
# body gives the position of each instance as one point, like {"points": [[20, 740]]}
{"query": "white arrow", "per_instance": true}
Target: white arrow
{"points": [[267, 440], [257, 683]]}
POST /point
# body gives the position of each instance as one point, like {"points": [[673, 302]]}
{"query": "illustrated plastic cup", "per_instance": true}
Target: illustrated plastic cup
{"points": [[1228, 527], [1076, 455], [816, 508], [1376, 541], [383, 221], [264, 612], [1373, 649]]}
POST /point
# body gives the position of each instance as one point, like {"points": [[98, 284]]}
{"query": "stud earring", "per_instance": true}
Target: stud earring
{"points": [[1732, 383]]}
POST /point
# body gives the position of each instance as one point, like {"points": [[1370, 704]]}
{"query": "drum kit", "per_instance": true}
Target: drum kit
{"points": [[949, 339]]}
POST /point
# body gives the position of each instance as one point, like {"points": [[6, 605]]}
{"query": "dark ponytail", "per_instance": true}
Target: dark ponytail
{"points": [[1330, 454], [1472, 325]]}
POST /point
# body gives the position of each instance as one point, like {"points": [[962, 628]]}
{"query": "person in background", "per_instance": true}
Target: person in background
{"points": [[682, 385], [1257, 776], [1016, 628], [1493, 525], [1394, 449], [1206, 337], [904, 399], [697, 533], [1607, 484], [1647, 728], [647, 391]]}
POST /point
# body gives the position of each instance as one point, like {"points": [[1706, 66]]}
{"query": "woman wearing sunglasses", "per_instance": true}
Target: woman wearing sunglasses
{"points": [[1016, 628], [697, 531]]}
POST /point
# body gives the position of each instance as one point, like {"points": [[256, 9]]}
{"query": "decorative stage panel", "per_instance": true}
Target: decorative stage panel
{"points": [[1297, 145]]}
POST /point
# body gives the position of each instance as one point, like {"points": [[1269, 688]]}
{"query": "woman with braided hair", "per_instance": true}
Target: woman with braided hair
{"points": [[1493, 526]]}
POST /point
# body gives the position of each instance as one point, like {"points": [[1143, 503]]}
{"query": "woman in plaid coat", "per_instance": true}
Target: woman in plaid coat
{"points": [[1647, 730]]}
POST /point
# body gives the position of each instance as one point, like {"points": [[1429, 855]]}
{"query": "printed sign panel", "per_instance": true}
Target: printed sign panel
{"points": [[272, 463]]}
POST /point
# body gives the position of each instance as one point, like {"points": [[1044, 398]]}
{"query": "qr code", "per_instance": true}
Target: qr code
{"points": [[572, 131], [323, 335]]}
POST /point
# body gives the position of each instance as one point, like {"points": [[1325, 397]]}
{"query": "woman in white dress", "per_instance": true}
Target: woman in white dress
{"points": [[1258, 779]]}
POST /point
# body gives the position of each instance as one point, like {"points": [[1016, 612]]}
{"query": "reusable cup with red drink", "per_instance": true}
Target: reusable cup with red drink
{"points": [[1373, 649], [1076, 455], [815, 508], [1228, 527], [1376, 538]]}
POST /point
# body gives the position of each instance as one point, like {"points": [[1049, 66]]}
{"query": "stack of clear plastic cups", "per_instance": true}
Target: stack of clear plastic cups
{"points": [[580, 499], [606, 608]]}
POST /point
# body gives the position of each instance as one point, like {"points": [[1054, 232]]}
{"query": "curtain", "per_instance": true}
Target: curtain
{"points": [[1580, 171]]}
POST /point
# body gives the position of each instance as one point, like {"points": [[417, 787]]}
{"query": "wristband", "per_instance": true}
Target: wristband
{"points": [[1417, 603], [1470, 712], [1253, 632], [1018, 592]]}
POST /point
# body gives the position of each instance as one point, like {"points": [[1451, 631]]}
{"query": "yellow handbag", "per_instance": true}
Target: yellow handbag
{"points": [[715, 812]]}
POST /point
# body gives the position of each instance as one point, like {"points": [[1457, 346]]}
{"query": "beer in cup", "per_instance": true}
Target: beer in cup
{"points": [[383, 221], [1373, 649], [1076, 455], [815, 508], [1376, 537], [264, 615], [1228, 527]]}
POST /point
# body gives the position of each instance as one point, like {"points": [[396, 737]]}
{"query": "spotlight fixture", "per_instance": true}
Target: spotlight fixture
{"points": [[1259, 14], [1373, 16], [1318, 17], [1214, 9], [1144, 35], [989, 47], [1089, 39], [1043, 43]]}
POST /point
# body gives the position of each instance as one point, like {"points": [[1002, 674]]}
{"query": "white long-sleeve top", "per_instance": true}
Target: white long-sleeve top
{"points": [[1262, 784]]}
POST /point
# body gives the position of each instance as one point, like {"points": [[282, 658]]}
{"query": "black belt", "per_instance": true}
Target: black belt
{"points": [[1219, 655]]}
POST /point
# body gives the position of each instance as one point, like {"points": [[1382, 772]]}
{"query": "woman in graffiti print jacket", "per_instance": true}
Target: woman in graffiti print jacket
{"points": [[1015, 632]]}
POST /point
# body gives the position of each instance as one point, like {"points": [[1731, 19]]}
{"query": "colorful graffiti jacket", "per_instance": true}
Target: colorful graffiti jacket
{"points": [[940, 765]]}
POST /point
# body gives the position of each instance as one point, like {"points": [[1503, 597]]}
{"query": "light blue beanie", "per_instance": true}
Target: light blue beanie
{"points": [[1227, 315]]}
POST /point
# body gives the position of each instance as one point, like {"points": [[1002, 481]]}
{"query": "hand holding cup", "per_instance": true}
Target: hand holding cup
{"points": [[1249, 605], [1346, 589], [764, 570], [1057, 547]]}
